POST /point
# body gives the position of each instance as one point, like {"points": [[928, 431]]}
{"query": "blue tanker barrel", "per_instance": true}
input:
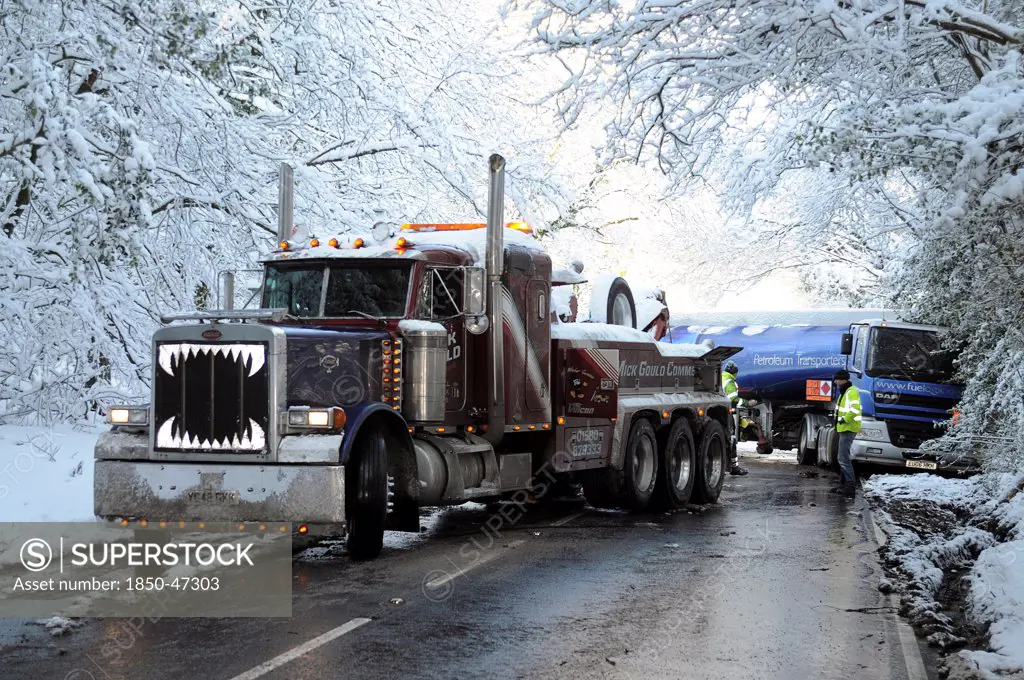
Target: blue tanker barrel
{"points": [[776, 361]]}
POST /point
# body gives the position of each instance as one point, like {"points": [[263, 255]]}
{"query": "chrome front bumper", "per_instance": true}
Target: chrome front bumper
{"points": [[313, 494], [869, 452]]}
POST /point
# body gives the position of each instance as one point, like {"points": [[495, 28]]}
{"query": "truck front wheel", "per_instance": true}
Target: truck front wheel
{"points": [[805, 455], [828, 456], [677, 466], [366, 489], [712, 462]]}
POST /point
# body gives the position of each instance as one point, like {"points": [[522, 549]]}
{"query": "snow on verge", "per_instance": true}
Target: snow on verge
{"points": [[46, 473], [958, 543], [996, 598]]}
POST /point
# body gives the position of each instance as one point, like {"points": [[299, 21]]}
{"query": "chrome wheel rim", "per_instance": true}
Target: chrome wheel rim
{"points": [[621, 315], [643, 464], [680, 468], [713, 462]]}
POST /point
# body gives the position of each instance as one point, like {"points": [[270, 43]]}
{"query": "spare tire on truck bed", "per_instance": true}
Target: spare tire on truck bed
{"points": [[620, 309]]}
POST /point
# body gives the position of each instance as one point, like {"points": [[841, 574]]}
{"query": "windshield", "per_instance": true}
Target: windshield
{"points": [[352, 291], [907, 354]]}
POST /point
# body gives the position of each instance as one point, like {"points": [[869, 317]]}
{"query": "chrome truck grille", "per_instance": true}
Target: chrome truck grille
{"points": [[211, 397]]}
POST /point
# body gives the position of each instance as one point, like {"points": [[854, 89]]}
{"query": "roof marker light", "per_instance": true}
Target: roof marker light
{"points": [[333, 243], [402, 243], [283, 245], [314, 243], [464, 226], [358, 243]]}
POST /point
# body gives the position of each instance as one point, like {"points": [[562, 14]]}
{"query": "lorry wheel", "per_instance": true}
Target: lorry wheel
{"points": [[712, 462], [621, 308], [677, 465], [829, 458], [366, 489], [640, 471], [804, 454], [833, 450], [632, 487]]}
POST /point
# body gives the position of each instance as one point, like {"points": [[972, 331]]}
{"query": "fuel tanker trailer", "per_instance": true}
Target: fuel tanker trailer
{"points": [[903, 371]]}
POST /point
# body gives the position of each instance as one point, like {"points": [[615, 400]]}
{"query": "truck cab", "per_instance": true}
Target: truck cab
{"points": [[906, 381]]}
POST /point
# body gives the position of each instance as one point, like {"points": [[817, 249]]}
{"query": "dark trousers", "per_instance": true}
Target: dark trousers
{"points": [[845, 462]]}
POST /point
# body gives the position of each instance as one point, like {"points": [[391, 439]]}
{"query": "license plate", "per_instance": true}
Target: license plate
{"points": [[922, 464], [214, 497]]}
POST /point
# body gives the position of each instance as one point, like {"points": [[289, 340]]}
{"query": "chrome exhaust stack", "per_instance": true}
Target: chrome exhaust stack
{"points": [[285, 203], [495, 263]]}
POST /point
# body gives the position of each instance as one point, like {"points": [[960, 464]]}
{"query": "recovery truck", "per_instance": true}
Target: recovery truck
{"points": [[903, 373], [425, 370]]}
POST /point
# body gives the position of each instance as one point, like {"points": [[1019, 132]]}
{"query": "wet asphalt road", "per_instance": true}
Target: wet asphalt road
{"points": [[777, 581]]}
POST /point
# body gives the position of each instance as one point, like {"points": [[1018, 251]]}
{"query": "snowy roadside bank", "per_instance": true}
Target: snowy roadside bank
{"points": [[46, 473], [955, 556]]}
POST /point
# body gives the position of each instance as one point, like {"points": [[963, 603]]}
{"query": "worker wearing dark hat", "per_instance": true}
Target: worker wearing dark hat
{"points": [[848, 423], [732, 392]]}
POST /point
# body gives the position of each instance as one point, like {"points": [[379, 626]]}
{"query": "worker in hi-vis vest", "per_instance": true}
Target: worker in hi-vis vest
{"points": [[732, 392], [848, 423]]}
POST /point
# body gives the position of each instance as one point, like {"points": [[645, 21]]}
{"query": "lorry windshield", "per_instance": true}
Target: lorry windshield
{"points": [[352, 290], [908, 354]]}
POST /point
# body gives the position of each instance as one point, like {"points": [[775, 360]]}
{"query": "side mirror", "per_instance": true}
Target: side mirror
{"points": [[474, 300], [847, 345]]}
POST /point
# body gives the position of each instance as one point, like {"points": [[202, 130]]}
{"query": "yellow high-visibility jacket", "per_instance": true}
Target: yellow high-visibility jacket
{"points": [[848, 414], [729, 386]]}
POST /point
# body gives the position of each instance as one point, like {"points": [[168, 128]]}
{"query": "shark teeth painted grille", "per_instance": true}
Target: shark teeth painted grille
{"points": [[211, 397]]}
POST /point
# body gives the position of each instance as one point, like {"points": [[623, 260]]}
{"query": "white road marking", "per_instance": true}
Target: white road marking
{"points": [[442, 580], [296, 652], [566, 520], [908, 639]]}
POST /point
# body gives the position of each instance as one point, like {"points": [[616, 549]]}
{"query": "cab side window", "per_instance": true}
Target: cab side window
{"points": [[441, 295], [860, 345]]}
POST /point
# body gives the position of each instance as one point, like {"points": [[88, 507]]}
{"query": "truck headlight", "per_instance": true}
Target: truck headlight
{"points": [[128, 415], [872, 433], [332, 418]]}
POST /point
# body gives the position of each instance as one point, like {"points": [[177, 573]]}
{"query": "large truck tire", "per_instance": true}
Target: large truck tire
{"points": [[712, 463], [640, 467], [676, 467], [833, 450], [621, 309], [366, 490], [805, 455], [632, 487], [829, 458]]}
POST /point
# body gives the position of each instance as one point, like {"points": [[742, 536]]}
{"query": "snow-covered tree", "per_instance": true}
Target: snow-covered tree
{"points": [[139, 146], [887, 136]]}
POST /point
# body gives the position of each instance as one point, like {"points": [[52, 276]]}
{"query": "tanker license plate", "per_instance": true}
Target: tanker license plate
{"points": [[922, 464]]}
